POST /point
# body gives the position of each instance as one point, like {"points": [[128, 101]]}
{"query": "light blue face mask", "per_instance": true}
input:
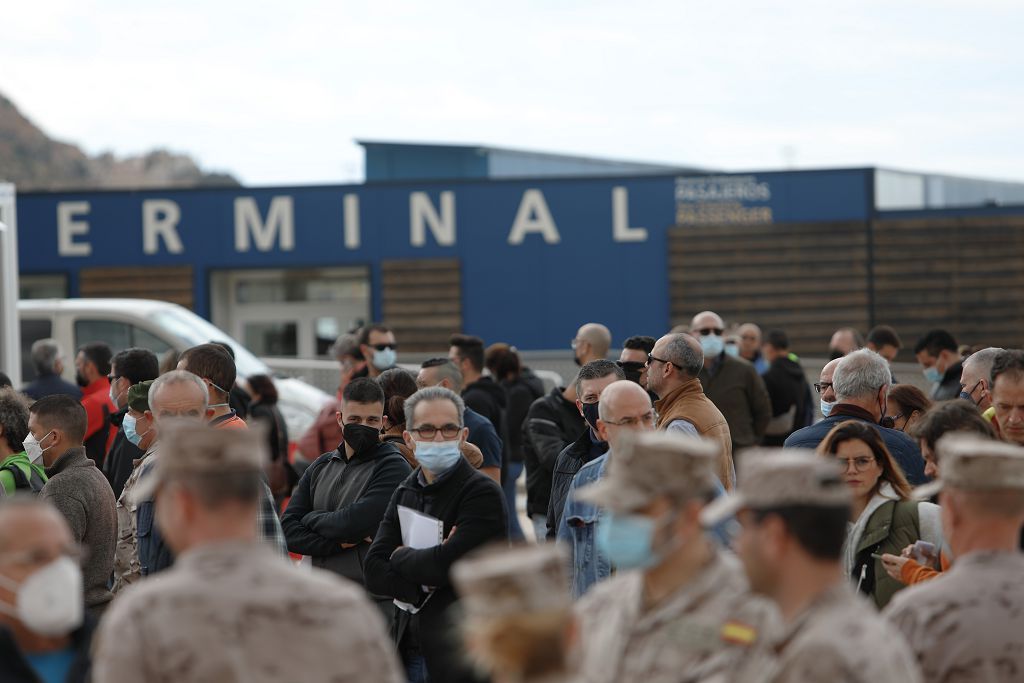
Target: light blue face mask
{"points": [[733, 350], [933, 375], [438, 456], [826, 407], [129, 429], [712, 345], [384, 359], [627, 540]]}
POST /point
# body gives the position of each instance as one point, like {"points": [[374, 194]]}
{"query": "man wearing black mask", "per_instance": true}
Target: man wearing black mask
{"points": [[633, 360], [341, 498]]}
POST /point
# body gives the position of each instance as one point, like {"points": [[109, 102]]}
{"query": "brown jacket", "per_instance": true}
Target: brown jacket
{"points": [[689, 403]]}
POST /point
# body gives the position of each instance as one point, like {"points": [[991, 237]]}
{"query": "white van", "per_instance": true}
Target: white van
{"points": [[155, 325]]}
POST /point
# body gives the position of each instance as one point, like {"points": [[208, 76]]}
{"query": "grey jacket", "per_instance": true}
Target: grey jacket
{"points": [[83, 495]]}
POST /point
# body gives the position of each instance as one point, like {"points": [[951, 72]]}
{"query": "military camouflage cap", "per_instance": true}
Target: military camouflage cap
{"points": [[974, 463], [646, 465], [189, 449], [780, 477], [501, 581], [138, 396]]}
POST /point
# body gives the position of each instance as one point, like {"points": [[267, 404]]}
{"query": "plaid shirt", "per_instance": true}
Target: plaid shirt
{"points": [[268, 524]]}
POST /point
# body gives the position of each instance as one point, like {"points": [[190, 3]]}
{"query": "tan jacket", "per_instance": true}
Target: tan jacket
{"points": [[689, 403], [127, 568]]}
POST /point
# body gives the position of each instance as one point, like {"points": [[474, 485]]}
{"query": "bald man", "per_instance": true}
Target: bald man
{"points": [[624, 407], [750, 347], [732, 384], [845, 341], [824, 386], [591, 343]]}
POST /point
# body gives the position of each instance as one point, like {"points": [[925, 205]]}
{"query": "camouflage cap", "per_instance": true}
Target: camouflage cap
{"points": [[138, 396], [191, 449], [974, 463], [645, 465], [501, 581], [781, 477]]}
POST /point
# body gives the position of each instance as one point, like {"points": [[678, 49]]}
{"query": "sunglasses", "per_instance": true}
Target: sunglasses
{"points": [[381, 347], [705, 331]]}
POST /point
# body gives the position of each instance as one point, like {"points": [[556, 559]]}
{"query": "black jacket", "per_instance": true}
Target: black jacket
{"points": [[949, 387], [488, 398], [117, 466], [49, 385], [277, 430], [342, 501], [552, 423], [575, 456], [462, 498], [521, 395], [14, 668], [791, 400]]}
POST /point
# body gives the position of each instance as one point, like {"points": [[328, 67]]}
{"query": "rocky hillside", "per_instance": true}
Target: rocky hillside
{"points": [[34, 161]]}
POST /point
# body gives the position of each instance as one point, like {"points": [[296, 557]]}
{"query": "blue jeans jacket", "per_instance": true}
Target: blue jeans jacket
{"points": [[578, 530]]}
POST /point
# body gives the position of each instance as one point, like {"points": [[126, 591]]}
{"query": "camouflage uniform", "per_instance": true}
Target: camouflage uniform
{"points": [[702, 632], [127, 568], [967, 624]]}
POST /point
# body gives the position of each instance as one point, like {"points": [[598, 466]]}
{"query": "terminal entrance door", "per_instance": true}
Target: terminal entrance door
{"points": [[291, 313]]}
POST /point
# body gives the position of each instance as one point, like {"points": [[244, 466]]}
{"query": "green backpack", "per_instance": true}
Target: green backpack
{"points": [[32, 480]]}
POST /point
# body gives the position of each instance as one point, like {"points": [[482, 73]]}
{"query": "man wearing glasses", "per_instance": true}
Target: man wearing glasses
{"points": [[672, 373], [471, 508], [44, 633]]}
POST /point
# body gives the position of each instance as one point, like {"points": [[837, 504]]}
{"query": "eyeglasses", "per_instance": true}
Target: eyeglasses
{"points": [[381, 347], [822, 386], [652, 359], [648, 418], [705, 331], [630, 364], [428, 432], [113, 378], [859, 464]]}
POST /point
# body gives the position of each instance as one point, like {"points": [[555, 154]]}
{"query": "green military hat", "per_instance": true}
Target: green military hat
{"points": [[138, 396]]}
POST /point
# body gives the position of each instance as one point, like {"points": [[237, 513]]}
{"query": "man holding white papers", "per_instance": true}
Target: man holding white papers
{"points": [[471, 510], [340, 499]]}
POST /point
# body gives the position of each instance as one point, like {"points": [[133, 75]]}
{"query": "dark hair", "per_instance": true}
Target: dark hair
{"points": [[62, 412], [5, 381], [1010, 361], [821, 531], [363, 390], [639, 343], [910, 398], [503, 361], [434, 362], [777, 339], [169, 361], [13, 418], [596, 369], [136, 365], [210, 362], [858, 430], [950, 416], [224, 345], [935, 342], [471, 348], [99, 354], [397, 384], [883, 335], [264, 386], [364, 334]]}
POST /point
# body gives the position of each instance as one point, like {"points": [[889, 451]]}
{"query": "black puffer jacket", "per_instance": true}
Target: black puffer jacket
{"points": [[570, 461], [521, 393], [552, 423], [791, 400]]}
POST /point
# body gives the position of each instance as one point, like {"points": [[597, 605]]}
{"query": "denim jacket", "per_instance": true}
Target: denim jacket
{"points": [[578, 530]]}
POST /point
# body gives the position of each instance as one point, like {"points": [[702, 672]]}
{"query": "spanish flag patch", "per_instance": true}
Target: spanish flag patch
{"points": [[738, 633]]}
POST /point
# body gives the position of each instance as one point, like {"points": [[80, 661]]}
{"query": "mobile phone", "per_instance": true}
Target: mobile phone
{"points": [[923, 552], [876, 556]]}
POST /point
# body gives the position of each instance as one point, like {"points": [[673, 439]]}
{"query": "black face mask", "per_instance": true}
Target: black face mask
{"points": [[576, 360], [632, 370], [834, 353], [361, 438]]}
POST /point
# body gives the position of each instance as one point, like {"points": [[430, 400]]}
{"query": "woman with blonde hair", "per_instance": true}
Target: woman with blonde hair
{"points": [[883, 518]]}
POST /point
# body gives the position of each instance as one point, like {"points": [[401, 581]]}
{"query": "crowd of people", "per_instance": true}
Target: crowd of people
{"points": [[691, 514]]}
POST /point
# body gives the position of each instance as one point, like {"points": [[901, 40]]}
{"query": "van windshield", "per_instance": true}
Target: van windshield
{"points": [[194, 330]]}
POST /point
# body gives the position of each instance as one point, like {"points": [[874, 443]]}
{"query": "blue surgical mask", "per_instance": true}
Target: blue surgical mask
{"points": [[826, 407], [438, 456], [732, 350], [129, 429], [384, 358], [933, 375], [627, 540], [712, 345]]}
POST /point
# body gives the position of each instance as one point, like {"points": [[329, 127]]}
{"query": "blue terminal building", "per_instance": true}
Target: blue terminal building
{"points": [[524, 247]]}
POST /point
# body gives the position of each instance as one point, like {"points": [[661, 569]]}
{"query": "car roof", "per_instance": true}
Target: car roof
{"points": [[143, 306]]}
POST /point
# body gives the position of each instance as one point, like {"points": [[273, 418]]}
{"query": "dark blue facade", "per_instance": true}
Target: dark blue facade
{"points": [[534, 293]]}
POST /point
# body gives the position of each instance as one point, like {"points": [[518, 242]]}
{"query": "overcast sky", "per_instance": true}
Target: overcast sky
{"points": [[276, 92]]}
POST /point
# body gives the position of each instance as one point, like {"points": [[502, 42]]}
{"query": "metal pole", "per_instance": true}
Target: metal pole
{"points": [[10, 329]]}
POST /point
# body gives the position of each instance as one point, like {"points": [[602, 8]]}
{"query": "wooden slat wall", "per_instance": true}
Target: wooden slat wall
{"points": [[806, 279], [164, 283], [422, 302], [964, 274]]}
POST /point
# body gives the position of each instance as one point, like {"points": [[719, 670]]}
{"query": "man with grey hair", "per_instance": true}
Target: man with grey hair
{"points": [[861, 384], [220, 613], [673, 367], [470, 512], [48, 362], [976, 380]]}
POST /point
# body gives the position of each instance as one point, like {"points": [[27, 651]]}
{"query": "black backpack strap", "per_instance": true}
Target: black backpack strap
{"points": [[34, 483]]}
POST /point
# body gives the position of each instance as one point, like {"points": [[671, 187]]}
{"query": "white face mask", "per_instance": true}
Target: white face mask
{"points": [[49, 602], [34, 450]]}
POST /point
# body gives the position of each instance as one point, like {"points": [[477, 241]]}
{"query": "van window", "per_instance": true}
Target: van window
{"points": [[119, 335], [31, 332]]}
